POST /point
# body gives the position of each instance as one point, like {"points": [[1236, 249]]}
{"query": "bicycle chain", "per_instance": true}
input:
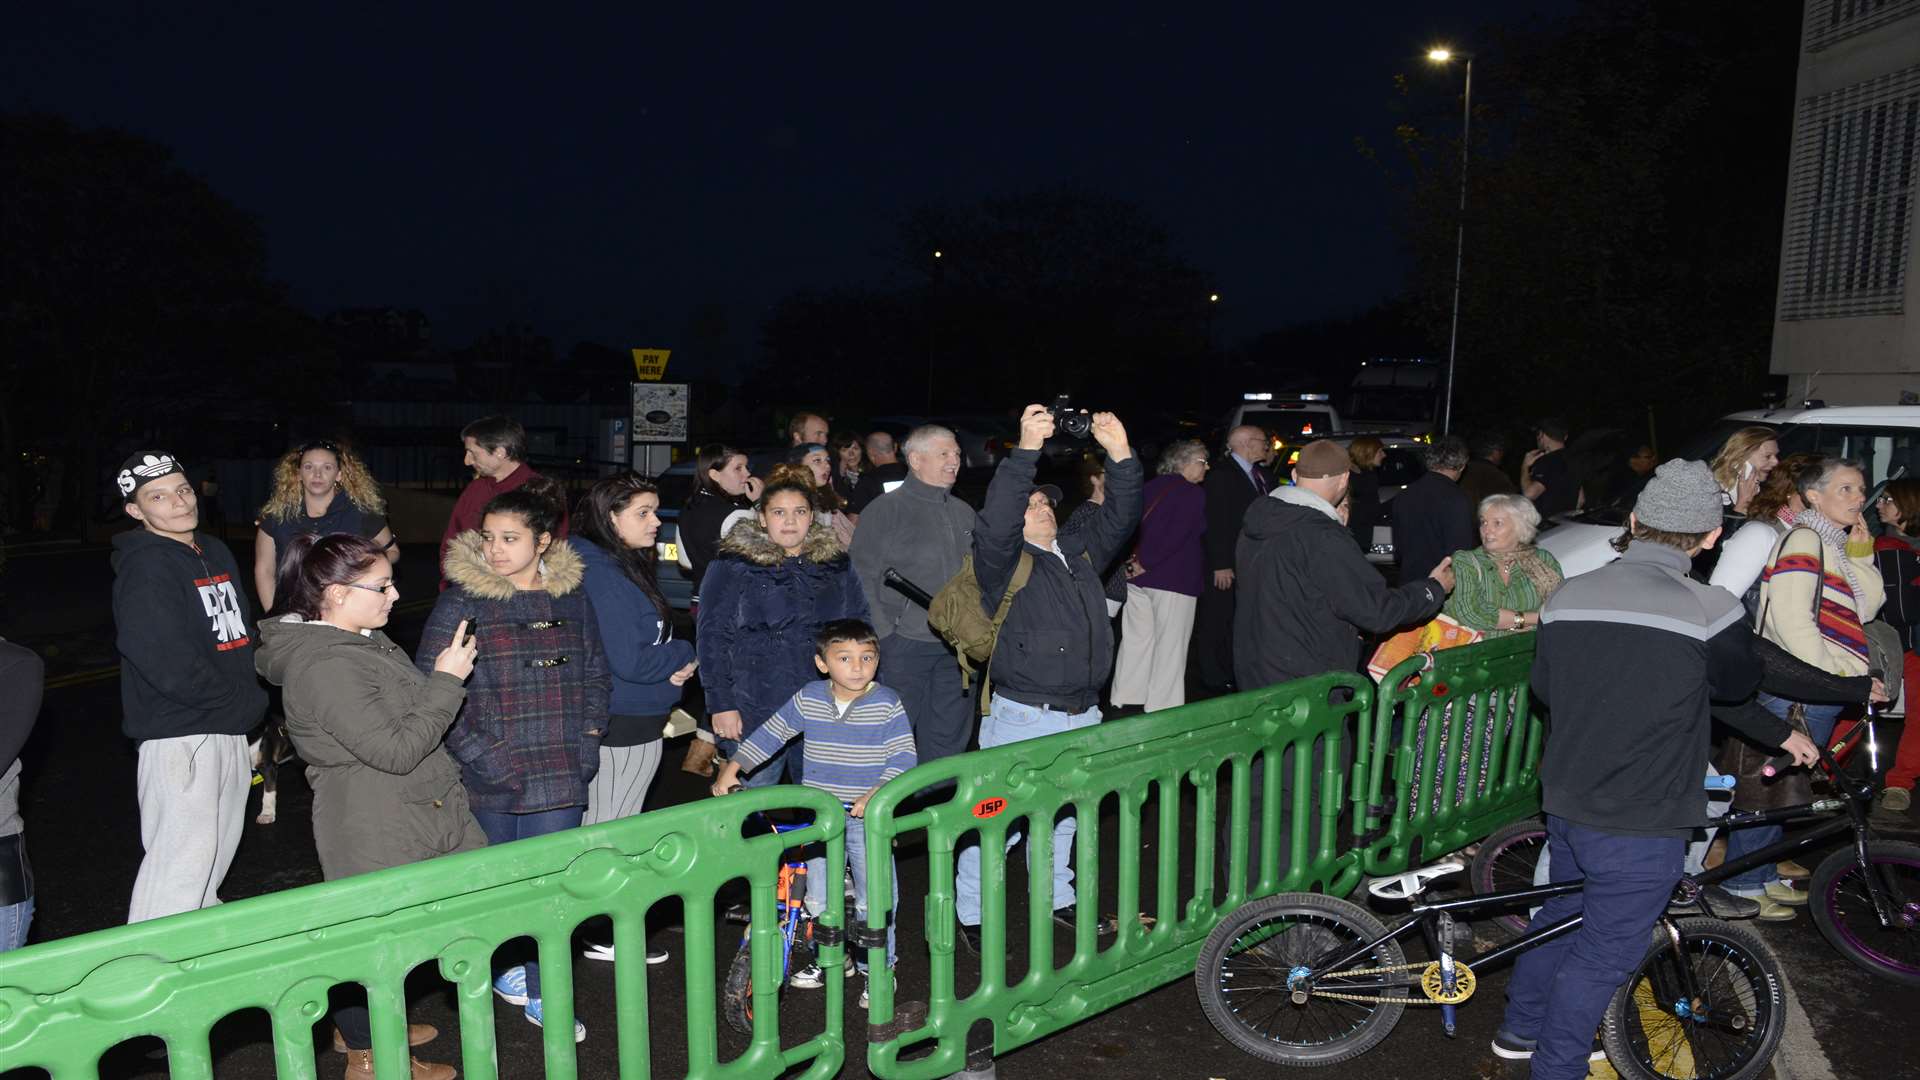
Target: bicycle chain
{"points": [[1430, 976]]}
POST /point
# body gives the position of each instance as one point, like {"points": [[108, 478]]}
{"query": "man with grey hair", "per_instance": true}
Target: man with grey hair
{"points": [[1231, 487], [884, 472], [922, 531], [1433, 518]]}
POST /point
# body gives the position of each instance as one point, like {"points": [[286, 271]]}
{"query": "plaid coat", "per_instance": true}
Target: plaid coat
{"points": [[528, 737]]}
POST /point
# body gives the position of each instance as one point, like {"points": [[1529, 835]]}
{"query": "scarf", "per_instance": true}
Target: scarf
{"points": [[1834, 537], [1528, 561]]}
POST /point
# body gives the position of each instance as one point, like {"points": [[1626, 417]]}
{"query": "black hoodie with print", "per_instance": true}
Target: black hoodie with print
{"points": [[182, 625]]}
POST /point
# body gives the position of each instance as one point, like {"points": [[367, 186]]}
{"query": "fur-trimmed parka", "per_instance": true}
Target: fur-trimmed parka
{"points": [[528, 737], [759, 611]]}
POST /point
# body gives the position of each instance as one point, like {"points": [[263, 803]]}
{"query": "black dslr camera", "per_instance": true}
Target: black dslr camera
{"points": [[1069, 420]]}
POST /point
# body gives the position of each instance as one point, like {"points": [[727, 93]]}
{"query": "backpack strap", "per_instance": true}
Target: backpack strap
{"points": [[1022, 573]]}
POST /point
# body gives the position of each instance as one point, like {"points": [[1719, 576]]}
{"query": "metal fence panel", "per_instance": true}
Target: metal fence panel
{"points": [[65, 1003]]}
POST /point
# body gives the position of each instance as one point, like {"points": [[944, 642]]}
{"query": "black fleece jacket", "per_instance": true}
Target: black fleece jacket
{"points": [[1056, 647], [1306, 592], [180, 615]]}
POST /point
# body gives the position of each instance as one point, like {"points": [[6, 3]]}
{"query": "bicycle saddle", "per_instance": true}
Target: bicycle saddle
{"points": [[1412, 883]]}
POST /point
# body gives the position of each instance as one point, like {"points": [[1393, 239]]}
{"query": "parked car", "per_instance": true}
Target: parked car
{"points": [[675, 485], [1884, 439]]}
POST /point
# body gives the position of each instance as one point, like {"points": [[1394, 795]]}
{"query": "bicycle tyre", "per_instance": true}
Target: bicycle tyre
{"points": [[736, 999], [1837, 897], [1744, 1000], [1274, 935], [1505, 863]]}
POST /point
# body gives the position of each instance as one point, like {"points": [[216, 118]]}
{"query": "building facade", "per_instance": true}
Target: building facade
{"points": [[1847, 325]]}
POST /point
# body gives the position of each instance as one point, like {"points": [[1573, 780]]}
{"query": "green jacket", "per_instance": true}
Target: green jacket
{"points": [[368, 725]]}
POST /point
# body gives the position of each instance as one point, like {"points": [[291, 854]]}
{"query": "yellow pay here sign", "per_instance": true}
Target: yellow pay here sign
{"points": [[650, 365]]}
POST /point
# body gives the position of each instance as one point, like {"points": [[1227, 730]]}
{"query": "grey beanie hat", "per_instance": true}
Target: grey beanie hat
{"points": [[1682, 497]]}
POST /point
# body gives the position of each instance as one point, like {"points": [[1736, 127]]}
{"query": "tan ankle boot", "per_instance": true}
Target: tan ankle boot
{"points": [[417, 1035], [699, 759], [360, 1067]]}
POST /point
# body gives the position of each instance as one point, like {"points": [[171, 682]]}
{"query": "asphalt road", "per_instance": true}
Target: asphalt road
{"points": [[82, 827]]}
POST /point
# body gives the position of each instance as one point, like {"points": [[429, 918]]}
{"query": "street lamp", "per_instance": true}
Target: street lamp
{"points": [[1440, 54]]}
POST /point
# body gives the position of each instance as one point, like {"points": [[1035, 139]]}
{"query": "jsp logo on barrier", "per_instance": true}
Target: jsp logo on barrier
{"points": [[987, 808]]}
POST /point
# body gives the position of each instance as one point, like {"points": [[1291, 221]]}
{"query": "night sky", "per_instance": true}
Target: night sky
{"points": [[599, 177]]}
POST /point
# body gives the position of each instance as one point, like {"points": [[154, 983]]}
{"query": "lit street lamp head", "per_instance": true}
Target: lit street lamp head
{"points": [[1439, 55]]}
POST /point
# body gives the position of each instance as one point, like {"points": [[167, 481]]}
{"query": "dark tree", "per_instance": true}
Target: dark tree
{"points": [[137, 303], [1626, 188]]}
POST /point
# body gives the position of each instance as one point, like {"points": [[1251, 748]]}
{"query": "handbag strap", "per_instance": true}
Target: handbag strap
{"points": [[1819, 584]]}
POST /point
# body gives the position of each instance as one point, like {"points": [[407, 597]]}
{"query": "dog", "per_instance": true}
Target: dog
{"points": [[270, 749]]}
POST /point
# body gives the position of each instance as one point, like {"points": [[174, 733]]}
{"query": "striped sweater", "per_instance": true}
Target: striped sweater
{"points": [[1834, 640], [847, 756]]}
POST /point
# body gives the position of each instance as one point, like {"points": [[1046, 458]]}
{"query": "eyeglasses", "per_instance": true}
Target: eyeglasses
{"points": [[1884, 498], [372, 588]]}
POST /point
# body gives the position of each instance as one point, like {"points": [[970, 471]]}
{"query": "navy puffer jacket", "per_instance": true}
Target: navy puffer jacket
{"points": [[759, 611]]}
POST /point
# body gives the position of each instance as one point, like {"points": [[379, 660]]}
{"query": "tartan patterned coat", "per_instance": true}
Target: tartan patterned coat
{"points": [[528, 737]]}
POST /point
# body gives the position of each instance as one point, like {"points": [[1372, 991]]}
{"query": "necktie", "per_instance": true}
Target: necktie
{"points": [[1259, 481]]}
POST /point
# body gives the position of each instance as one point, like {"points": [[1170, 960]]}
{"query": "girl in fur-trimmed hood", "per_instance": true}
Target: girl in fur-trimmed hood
{"points": [[776, 580], [528, 737]]}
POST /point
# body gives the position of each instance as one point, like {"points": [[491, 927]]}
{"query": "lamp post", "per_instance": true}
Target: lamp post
{"points": [[1442, 55]]}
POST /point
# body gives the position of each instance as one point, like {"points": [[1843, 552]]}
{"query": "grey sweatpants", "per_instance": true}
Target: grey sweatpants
{"points": [[193, 806], [620, 787]]}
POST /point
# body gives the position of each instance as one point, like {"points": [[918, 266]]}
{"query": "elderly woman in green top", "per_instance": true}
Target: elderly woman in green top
{"points": [[1498, 589], [1500, 585]]}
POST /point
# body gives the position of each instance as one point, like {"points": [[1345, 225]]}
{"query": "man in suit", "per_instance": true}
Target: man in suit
{"points": [[1231, 487], [1433, 518]]}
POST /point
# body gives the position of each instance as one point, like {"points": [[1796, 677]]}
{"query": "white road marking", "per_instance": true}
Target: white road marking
{"points": [[1800, 1056]]}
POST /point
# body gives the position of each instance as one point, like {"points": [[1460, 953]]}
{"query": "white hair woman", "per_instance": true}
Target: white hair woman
{"points": [[1498, 590], [1500, 585], [1164, 578]]}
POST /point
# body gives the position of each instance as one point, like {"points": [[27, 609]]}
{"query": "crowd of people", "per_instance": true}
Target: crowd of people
{"points": [[538, 697]]}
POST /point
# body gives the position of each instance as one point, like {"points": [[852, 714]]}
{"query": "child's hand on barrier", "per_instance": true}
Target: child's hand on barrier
{"points": [[859, 807]]}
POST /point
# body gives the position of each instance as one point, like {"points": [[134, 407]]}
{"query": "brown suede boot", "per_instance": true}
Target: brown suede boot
{"points": [[417, 1035], [700, 758], [360, 1067]]}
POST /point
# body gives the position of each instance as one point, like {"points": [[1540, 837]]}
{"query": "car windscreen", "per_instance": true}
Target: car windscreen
{"points": [[1882, 452]]}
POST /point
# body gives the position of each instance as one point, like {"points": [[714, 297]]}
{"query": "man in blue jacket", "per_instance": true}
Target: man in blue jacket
{"points": [[1630, 657], [1055, 650]]}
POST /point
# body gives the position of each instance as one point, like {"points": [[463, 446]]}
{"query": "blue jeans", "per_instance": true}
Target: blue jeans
{"points": [[817, 885], [1820, 721], [1559, 990], [502, 828], [14, 921], [1012, 722]]}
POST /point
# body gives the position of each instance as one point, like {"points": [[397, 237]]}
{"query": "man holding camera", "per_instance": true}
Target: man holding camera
{"points": [[1055, 650]]}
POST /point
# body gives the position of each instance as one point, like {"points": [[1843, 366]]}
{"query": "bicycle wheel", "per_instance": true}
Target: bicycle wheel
{"points": [[1729, 1031], [1843, 909], [736, 998], [1505, 863], [1245, 965]]}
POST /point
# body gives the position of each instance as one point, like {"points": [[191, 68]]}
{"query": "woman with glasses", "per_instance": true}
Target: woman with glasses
{"points": [[318, 489], [1897, 553], [368, 724], [528, 738]]}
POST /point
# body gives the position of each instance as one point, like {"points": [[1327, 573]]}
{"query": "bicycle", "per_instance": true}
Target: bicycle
{"points": [[1864, 898], [1307, 979], [789, 905]]}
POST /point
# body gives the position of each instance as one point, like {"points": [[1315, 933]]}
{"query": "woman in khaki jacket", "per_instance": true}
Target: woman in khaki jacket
{"points": [[369, 726]]}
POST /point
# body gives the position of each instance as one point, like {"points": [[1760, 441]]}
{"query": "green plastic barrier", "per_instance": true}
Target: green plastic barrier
{"points": [[1473, 705], [1000, 789], [64, 1003]]}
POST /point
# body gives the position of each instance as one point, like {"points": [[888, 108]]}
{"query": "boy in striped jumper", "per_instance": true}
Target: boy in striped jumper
{"points": [[854, 737]]}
